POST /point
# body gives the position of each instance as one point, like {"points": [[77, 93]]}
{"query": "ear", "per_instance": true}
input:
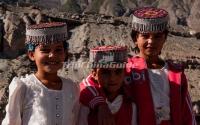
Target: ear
{"points": [[94, 73], [31, 55]]}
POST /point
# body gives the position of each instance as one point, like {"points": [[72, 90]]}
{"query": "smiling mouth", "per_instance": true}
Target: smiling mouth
{"points": [[52, 63], [151, 48], [112, 84]]}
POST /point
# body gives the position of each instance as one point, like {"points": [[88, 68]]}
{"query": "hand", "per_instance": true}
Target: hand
{"points": [[105, 117]]}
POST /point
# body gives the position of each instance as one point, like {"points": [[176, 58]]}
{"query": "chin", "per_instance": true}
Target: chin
{"points": [[113, 90], [151, 54], [52, 71]]}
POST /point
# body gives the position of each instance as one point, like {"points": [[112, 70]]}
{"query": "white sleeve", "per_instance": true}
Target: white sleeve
{"points": [[83, 115], [134, 115], [15, 102], [77, 104]]}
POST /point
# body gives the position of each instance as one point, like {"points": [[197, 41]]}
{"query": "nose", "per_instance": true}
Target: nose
{"points": [[151, 39], [112, 76]]}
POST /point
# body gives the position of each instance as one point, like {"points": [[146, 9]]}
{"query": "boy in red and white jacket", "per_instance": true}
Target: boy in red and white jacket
{"points": [[108, 71], [159, 88]]}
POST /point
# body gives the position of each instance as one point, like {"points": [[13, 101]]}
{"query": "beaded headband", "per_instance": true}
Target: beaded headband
{"points": [[150, 19]]}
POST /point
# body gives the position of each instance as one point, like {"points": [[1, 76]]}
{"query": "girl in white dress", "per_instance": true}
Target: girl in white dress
{"points": [[44, 98]]}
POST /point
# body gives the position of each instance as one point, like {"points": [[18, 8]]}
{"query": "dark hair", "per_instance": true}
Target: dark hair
{"points": [[65, 45], [134, 35]]}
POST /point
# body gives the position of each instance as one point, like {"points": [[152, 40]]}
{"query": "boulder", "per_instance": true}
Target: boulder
{"points": [[193, 19], [14, 36], [71, 6], [112, 8]]}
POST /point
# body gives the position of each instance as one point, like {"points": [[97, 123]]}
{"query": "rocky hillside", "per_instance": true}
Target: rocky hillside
{"points": [[182, 12], [88, 30]]}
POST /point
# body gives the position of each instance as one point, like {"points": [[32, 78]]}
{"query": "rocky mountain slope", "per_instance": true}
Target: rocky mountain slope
{"points": [[182, 12]]}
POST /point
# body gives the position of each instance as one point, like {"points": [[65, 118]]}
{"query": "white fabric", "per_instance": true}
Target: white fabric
{"points": [[113, 106], [160, 92], [31, 103]]}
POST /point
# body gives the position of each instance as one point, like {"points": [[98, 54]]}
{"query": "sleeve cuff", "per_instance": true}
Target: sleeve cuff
{"points": [[98, 100]]}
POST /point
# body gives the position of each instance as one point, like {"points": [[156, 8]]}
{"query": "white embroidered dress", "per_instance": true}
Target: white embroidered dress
{"points": [[31, 103]]}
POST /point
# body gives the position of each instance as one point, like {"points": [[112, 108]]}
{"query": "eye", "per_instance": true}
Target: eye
{"points": [[119, 71], [59, 50], [45, 50], [144, 35], [158, 35], [105, 71]]}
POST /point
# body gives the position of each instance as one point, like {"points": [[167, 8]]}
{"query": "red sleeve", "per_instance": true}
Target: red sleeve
{"points": [[188, 117], [90, 95]]}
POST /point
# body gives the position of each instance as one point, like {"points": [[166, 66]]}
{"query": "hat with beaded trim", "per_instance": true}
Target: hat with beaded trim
{"points": [[150, 20], [108, 56], [46, 33]]}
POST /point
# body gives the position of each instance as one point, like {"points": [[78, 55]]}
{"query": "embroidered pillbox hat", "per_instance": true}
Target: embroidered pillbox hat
{"points": [[46, 33], [150, 19], [108, 56]]}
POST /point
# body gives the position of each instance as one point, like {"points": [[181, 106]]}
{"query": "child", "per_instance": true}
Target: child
{"points": [[44, 98], [158, 87], [107, 75]]}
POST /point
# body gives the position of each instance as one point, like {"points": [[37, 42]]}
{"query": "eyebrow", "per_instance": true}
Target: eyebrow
{"points": [[59, 46], [44, 47]]}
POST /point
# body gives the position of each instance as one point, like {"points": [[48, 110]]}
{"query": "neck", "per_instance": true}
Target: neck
{"points": [[51, 81], [47, 76], [111, 98], [153, 62], [112, 95]]}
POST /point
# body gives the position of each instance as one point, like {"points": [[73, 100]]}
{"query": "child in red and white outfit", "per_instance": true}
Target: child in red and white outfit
{"points": [[108, 71], [158, 87]]}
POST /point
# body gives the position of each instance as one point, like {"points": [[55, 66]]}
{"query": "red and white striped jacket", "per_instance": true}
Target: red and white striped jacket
{"points": [[138, 89]]}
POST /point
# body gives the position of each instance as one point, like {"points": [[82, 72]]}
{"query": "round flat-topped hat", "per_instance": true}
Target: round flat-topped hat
{"points": [[108, 55], [150, 19], [46, 33]]}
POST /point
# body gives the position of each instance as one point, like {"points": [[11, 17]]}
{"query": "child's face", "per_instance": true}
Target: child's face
{"points": [[48, 58], [110, 79], [150, 44]]}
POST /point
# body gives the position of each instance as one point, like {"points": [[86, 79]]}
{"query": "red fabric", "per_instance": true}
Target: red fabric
{"points": [[138, 89], [165, 123], [180, 105], [91, 94], [122, 117]]}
